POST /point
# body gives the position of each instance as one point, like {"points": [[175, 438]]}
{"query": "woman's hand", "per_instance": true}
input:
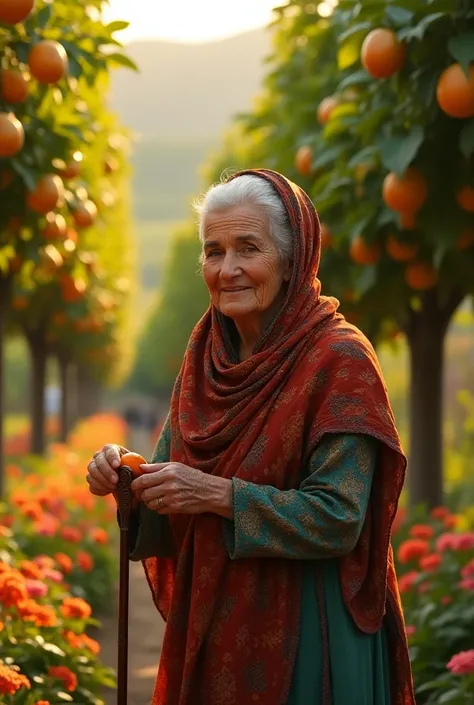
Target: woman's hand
{"points": [[102, 476], [174, 488]]}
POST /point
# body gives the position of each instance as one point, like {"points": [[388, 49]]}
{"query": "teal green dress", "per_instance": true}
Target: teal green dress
{"points": [[336, 487]]}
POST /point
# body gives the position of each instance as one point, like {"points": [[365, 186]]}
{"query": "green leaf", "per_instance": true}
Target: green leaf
{"points": [[43, 17], [418, 32], [451, 696], [326, 156], [367, 279], [121, 60], [117, 26], [397, 153], [399, 15], [461, 48], [466, 139], [354, 29], [355, 79], [364, 156]]}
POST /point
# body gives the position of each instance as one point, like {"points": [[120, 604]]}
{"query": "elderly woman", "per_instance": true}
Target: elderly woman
{"points": [[264, 518]]}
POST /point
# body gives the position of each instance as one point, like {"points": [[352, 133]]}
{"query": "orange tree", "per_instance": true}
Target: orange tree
{"points": [[371, 109], [64, 247]]}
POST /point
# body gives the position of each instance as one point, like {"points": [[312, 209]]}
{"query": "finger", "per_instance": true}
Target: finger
{"points": [[152, 493], [100, 477], [154, 467], [158, 504], [112, 454], [104, 466], [150, 480]]}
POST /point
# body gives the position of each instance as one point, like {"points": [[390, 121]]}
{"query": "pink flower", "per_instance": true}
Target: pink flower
{"points": [[446, 542], [464, 542], [36, 588], [54, 575], [410, 630], [462, 663], [446, 600], [468, 569], [467, 584]]}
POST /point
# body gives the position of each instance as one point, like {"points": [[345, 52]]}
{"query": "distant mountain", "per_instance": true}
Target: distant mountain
{"points": [[189, 91]]}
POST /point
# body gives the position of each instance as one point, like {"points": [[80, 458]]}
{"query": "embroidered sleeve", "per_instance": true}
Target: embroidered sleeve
{"points": [[322, 519], [150, 532]]}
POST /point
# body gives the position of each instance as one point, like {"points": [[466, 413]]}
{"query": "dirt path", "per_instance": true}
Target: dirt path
{"points": [[145, 627]]}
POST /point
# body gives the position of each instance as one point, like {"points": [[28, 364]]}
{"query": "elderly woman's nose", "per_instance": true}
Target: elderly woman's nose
{"points": [[230, 266]]}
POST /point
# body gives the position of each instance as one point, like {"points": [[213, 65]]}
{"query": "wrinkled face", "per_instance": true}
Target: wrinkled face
{"points": [[242, 267]]}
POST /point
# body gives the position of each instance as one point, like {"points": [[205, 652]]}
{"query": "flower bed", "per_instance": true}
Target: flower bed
{"points": [[58, 566], [435, 564]]}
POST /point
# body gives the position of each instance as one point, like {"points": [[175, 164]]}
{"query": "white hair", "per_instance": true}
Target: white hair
{"points": [[249, 188]]}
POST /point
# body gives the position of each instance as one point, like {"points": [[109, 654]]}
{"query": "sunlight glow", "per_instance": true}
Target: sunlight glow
{"points": [[189, 20]]}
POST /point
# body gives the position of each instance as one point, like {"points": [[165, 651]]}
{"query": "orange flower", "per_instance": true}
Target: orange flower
{"points": [[407, 581], [40, 615], [2, 626], [64, 674], [12, 588], [30, 570], [430, 562], [422, 531], [75, 608], [69, 533], [439, 513], [64, 562], [42, 702], [85, 561], [411, 549], [99, 535], [82, 641], [11, 680], [450, 521]]}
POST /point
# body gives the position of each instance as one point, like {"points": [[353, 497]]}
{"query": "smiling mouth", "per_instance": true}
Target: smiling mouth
{"points": [[235, 290]]}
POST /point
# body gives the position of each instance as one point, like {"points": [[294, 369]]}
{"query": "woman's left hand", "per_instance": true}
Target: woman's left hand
{"points": [[174, 488]]}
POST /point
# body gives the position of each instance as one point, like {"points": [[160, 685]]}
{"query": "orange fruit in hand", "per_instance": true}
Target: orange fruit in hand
{"points": [[133, 461], [382, 54]]}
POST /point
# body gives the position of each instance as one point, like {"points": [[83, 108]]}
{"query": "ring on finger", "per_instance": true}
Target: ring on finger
{"points": [[160, 502]]}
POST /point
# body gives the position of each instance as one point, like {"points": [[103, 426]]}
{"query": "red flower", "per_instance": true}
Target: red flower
{"points": [[462, 663], [440, 513], [412, 549], [70, 533], [467, 584], [62, 673], [468, 569], [75, 608], [446, 600], [422, 531], [99, 535], [446, 542], [464, 542], [64, 562], [407, 581], [85, 561], [450, 521], [430, 562], [11, 680], [410, 630]]}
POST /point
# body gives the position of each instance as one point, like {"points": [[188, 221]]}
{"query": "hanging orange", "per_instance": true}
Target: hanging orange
{"points": [[12, 135], [421, 276], [304, 160], [406, 193], [465, 198], [14, 11], [325, 109], [400, 251], [382, 54], [47, 61], [363, 253], [455, 91], [48, 193], [13, 86]]}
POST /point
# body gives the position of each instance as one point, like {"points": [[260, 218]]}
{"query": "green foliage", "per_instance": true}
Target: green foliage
{"points": [[164, 338], [78, 282]]}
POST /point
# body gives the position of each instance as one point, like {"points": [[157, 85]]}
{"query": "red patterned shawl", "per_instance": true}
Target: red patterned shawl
{"points": [[232, 626]]}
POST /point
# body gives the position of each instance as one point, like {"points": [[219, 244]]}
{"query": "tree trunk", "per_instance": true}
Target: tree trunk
{"points": [[4, 297], [426, 336], [64, 379], [88, 393], [38, 355]]}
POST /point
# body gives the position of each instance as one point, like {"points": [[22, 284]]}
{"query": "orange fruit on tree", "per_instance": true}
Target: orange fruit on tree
{"points": [[382, 54], [421, 276], [48, 194], [14, 11], [326, 236], [85, 214], [325, 109], [55, 227], [133, 461], [406, 193], [73, 167], [13, 86], [466, 238], [465, 198], [304, 160], [363, 253], [455, 91], [47, 61], [72, 289], [12, 135], [400, 251]]}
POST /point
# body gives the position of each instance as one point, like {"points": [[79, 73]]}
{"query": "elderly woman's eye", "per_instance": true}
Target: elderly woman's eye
{"points": [[212, 253], [250, 248]]}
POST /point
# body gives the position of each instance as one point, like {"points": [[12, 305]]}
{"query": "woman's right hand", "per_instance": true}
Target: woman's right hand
{"points": [[102, 476]]}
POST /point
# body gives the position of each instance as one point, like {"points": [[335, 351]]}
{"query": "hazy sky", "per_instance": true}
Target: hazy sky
{"points": [[189, 20]]}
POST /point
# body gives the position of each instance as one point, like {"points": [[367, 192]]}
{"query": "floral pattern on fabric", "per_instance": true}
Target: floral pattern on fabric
{"points": [[322, 519]]}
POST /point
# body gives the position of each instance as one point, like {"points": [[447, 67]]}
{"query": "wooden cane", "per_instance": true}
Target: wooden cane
{"points": [[124, 494]]}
